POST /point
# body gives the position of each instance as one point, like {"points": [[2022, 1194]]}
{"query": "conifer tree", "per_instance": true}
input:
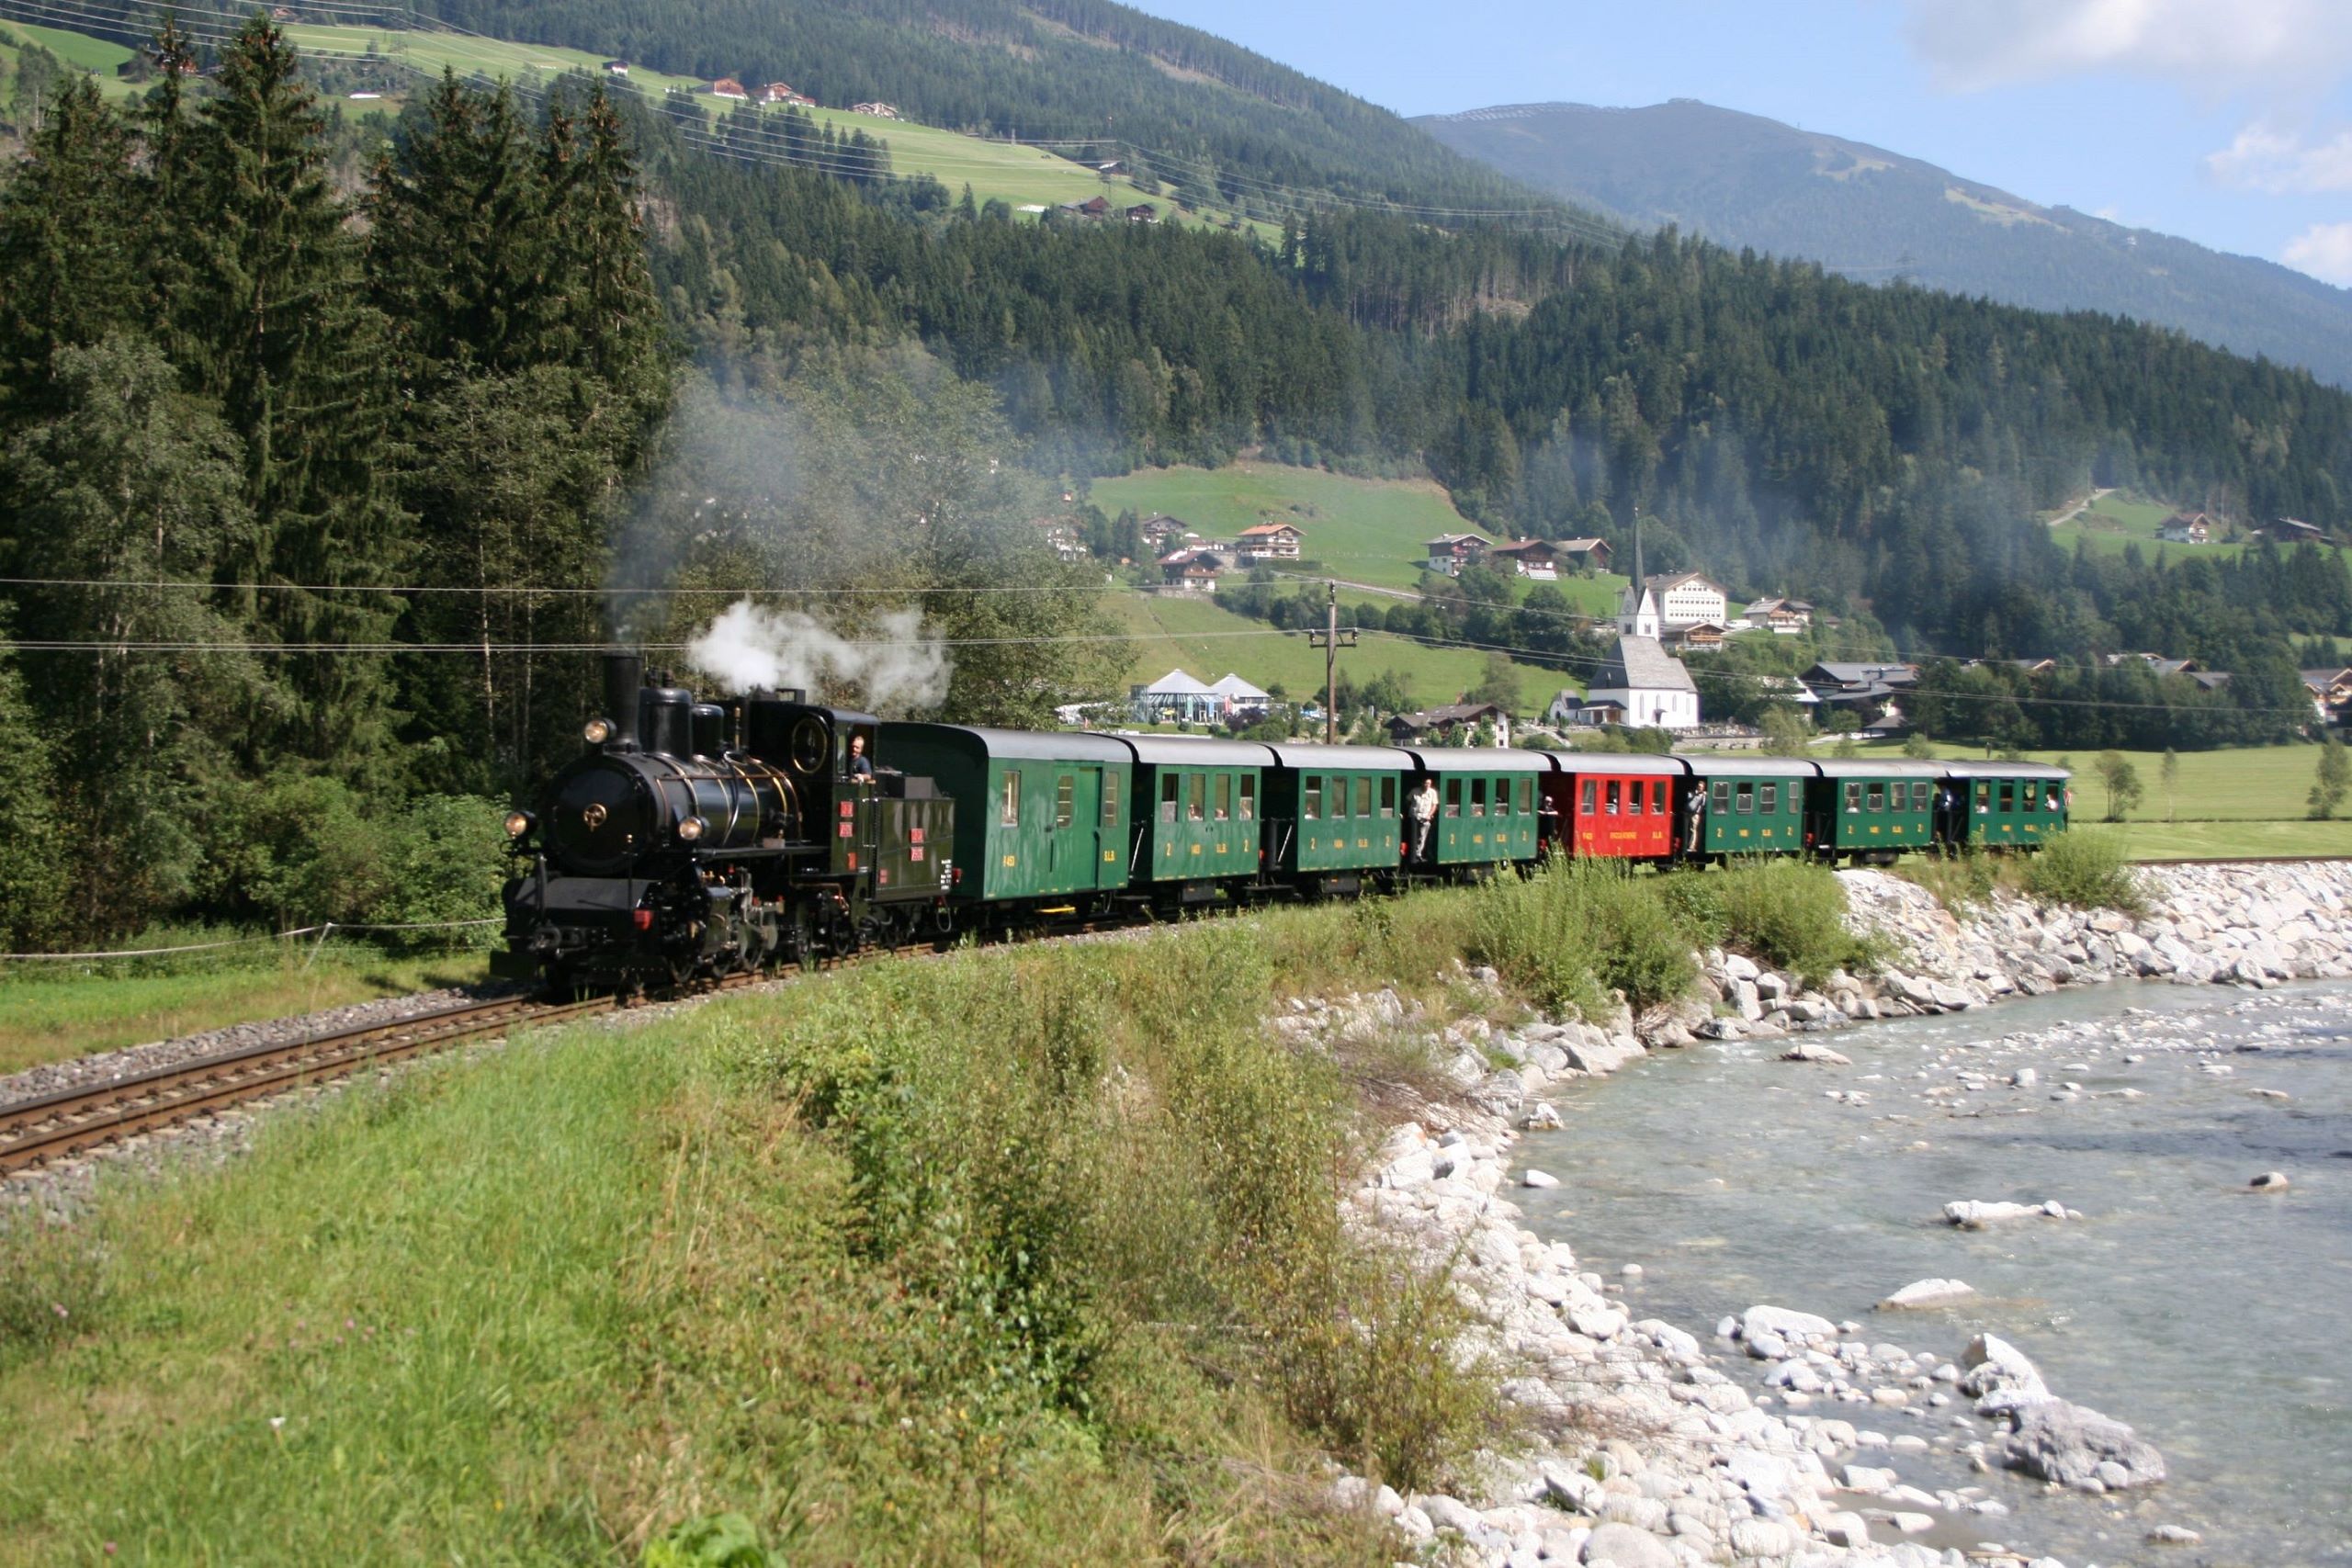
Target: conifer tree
{"points": [[285, 342], [66, 253]]}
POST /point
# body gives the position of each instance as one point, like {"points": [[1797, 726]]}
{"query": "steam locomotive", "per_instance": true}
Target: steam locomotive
{"points": [[693, 840]]}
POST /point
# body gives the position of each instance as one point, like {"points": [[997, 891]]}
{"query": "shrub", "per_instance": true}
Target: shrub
{"points": [[2086, 870], [1792, 916], [1959, 881], [1567, 933], [445, 863]]}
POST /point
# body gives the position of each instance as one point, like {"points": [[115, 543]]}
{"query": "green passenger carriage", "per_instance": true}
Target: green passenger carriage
{"points": [[1198, 805], [1046, 818], [1334, 815], [1871, 809], [1746, 805], [1997, 804], [1489, 804]]}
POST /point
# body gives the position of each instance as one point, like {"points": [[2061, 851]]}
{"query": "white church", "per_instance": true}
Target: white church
{"points": [[1647, 685]]}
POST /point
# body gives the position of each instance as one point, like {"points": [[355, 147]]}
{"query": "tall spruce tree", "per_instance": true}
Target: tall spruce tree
{"points": [[284, 340], [68, 252]]}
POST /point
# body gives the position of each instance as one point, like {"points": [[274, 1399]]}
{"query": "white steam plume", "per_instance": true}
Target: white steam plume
{"points": [[897, 667]]}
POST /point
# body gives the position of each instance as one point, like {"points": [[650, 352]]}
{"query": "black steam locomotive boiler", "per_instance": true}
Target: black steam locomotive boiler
{"points": [[696, 840]]}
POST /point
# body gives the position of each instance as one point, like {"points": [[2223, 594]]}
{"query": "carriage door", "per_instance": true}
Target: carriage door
{"points": [[1073, 847]]}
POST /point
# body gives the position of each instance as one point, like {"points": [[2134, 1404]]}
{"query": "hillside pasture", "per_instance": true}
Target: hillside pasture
{"points": [[2116, 522], [1205, 639], [1367, 531]]}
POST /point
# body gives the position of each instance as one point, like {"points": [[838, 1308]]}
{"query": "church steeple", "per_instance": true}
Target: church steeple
{"points": [[1637, 612]]}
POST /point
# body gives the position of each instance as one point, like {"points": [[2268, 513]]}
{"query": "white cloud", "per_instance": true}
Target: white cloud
{"points": [[2323, 250], [2267, 157], [2208, 44]]}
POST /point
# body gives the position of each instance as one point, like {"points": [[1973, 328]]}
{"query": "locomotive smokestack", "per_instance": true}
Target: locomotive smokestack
{"points": [[623, 673]]}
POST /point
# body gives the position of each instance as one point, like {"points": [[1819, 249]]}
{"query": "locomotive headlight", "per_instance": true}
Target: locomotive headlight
{"points": [[597, 732], [690, 828], [517, 824]]}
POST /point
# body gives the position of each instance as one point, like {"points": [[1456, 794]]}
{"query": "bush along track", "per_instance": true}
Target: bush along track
{"points": [[1057, 1254]]}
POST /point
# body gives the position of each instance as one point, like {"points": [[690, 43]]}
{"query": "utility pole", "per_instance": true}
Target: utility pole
{"points": [[1330, 639]]}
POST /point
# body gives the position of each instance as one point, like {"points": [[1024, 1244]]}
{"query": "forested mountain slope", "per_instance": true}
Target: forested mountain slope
{"points": [[1742, 180]]}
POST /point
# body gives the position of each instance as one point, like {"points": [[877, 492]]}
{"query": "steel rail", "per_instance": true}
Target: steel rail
{"points": [[75, 1121]]}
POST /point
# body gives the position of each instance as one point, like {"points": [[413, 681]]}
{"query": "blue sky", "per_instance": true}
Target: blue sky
{"points": [[2226, 122]]}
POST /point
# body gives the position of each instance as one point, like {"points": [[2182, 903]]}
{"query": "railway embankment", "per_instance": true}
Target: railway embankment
{"points": [[1647, 1443]]}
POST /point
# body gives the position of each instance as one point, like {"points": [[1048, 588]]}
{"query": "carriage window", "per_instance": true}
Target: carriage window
{"points": [[1722, 795], [1477, 797], [1109, 798], [2008, 795], [1364, 797], [2028, 798], [1388, 797], [1983, 795], [1171, 785], [1314, 811], [1197, 803], [1919, 793], [1744, 799], [1586, 807], [1609, 795], [1453, 797], [1526, 796], [1878, 797], [1248, 797], [1767, 799], [1657, 798], [1010, 817], [1853, 796], [1065, 800], [1224, 796]]}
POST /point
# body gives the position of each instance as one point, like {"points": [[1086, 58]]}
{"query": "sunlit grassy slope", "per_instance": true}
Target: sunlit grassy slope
{"points": [[1368, 531], [1206, 640], [2116, 522]]}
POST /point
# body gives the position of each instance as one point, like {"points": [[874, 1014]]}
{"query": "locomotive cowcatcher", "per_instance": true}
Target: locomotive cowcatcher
{"points": [[695, 840]]}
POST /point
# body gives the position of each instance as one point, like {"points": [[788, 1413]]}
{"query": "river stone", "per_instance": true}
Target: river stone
{"points": [[1928, 1293], [2174, 1535], [1786, 1323], [1807, 1051], [1623, 1546], [1538, 1179], [2269, 1181], [1971, 1215], [2076, 1447], [1999, 1372]]}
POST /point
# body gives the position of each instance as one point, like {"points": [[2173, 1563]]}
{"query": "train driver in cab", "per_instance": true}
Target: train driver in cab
{"points": [[861, 766]]}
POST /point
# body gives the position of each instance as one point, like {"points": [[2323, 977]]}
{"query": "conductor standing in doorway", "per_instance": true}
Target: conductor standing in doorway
{"points": [[1420, 808]]}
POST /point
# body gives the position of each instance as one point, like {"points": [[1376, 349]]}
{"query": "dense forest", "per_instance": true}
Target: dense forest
{"points": [[1745, 181], [311, 501]]}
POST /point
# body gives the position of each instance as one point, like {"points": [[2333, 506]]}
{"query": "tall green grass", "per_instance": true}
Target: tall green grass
{"points": [[2086, 868], [1571, 931], [1789, 914], [1019, 1256]]}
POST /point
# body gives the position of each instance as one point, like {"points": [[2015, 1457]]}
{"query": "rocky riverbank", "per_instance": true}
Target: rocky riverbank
{"points": [[1644, 1445]]}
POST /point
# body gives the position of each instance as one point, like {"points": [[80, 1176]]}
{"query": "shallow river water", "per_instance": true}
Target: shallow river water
{"points": [[2216, 1321]]}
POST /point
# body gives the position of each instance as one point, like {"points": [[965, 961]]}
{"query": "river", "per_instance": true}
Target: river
{"points": [[2215, 1320]]}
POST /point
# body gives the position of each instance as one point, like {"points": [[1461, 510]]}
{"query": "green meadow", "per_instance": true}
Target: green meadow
{"points": [[1369, 531]]}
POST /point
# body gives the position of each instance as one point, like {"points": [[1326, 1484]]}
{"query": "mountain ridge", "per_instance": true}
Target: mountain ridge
{"points": [[1744, 179]]}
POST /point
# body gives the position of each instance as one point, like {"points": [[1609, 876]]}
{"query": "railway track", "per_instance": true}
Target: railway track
{"points": [[75, 1121]]}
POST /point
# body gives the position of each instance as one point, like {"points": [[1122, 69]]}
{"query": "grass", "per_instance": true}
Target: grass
{"points": [[2116, 522], [95, 56], [1368, 531], [1173, 631], [50, 1018], [1020, 1256], [2247, 783]]}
